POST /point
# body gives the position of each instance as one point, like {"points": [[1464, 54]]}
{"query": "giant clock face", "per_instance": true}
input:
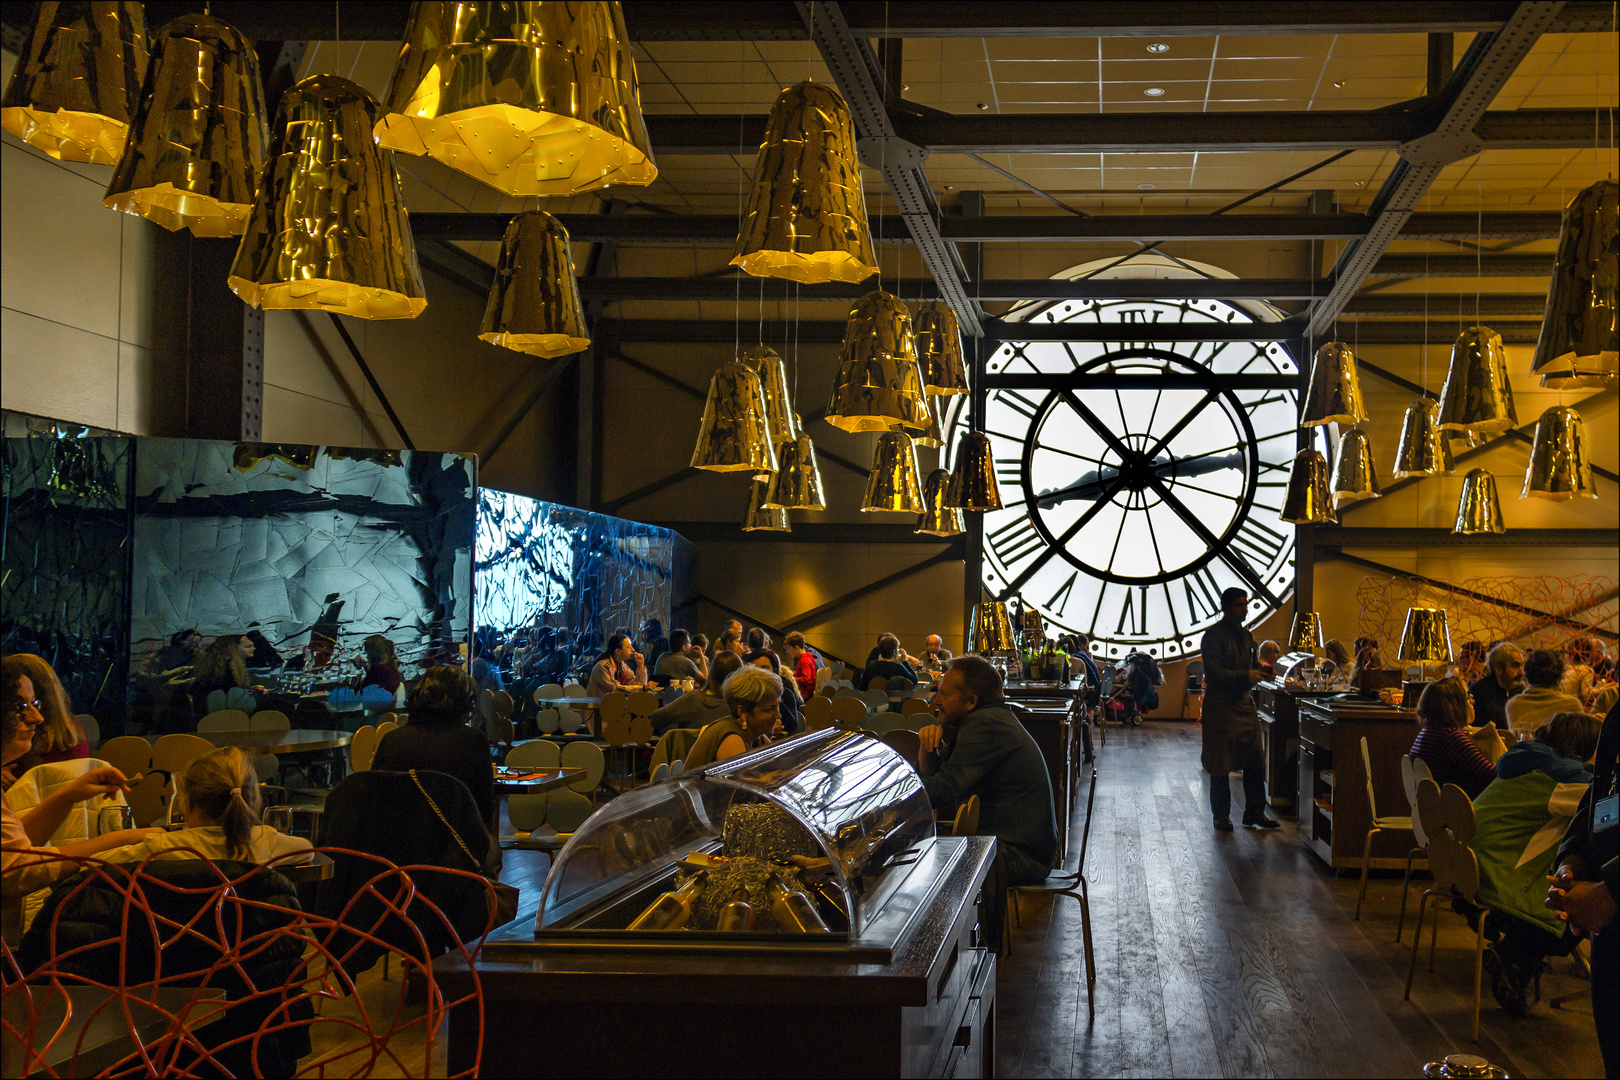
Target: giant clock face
{"points": [[1140, 479]]}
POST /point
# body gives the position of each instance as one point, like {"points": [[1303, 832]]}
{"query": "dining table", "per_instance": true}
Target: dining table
{"points": [[518, 780], [84, 1030], [295, 741], [317, 868]]}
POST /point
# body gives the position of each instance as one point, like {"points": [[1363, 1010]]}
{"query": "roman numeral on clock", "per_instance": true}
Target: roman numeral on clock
{"points": [[1015, 541], [1018, 403], [1009, 470], [1203, 594], [1133, 616], [1260, 541]]}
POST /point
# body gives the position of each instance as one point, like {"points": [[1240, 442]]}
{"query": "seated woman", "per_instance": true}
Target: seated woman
{"points": [[222, 667], [1444, 744], [889, 663], [617, 667], [219, 798], [381, 664], [26, 865], [1541, 699], [60, 738], [754, 696], [699, 707], [439, 739], [1519, 822], [766, 660]]}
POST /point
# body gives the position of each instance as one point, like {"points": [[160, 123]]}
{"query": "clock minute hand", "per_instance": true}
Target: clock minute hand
{"points": [[1091, 484]]}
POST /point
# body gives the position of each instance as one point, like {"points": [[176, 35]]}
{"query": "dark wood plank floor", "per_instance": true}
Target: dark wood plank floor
{"points": [[1235, 954]]}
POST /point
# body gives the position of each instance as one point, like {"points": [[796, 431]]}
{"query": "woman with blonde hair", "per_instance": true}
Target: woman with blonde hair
{"points": [[223, 666], [60, 738], [381, 663], [219, 798]]}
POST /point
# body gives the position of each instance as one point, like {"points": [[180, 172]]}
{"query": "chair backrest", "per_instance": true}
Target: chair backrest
{"points": [[225, 720], [846, 691], [1366, 767], [587, 756], [265, 766], [240, 698], [1409, 782], [1447, 816], [1421, 770], [641, 731], [919, 720], [175, 753], [677, 767], [849, 712], [527, 812], [878, 682], [899, 684], [817, 713], [1195, 668], [875, 699], [131, 753], [569, 720], [546, 721], [913, 705], [967, 818], [535, 754], [548, 690], [269, 720], [386, 726], [215, 700], [660, 772], [502, 703], [904, 742], [568, 808], [92, 729], [486, 705], [880, 722], [363, 748], [573, 689], [643, 703]]}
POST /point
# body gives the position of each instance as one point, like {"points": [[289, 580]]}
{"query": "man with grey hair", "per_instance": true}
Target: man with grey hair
{"points": [[754, 696], [1269, 653], [935, 655], [1504, 677]]}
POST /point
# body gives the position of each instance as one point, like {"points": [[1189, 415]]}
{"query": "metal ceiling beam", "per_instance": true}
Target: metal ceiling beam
{"points": [[859, 77], [1440, 331], [725, 288], [808, 532], [1479, 77], [778, 20], [1336, 536], [1442, 306], [722, 228], [1160, 132], [1486, 264]]}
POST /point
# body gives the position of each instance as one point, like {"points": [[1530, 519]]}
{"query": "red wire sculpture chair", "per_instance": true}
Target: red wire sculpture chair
{"points": [[179, 945]]}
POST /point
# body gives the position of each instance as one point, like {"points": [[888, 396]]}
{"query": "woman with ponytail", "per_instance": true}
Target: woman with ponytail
{"points": [[219, 796]]}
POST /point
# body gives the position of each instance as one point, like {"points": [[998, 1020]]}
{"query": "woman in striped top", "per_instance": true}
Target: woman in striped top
{"points": [[1443, 743]]}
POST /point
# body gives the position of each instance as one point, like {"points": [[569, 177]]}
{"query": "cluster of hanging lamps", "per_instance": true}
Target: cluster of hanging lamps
{"points": [[77, 79], [531, 98], [1355, 476], [1560, 467], [196, 147], [879, 386], [342, 244], [1579, 345], [938, 519], [939, 349], [1479, 510], [1423, 450], [1307, 500], [735, 435], [893, 484], [1334, 393], [762, 516], [1477, 397], [973, 482], [806, 218], [534, 302]]}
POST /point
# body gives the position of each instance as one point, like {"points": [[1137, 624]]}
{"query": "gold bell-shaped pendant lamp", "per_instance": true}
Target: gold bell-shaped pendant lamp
{"points": [[796, 484], [1479, 511], [77, 80], [329, 230], [734, 436], [878, 386], [991, 631], [1334, 394], [1477, 397], [933, 437], [1426, 639], [196, 146], [973, 483], [939, 349], [1424, 450], [534, 304], [1560, 467], [1306, 633], [939, 519], [529, 98], [773, 380], [807, 215], [1355, 477], [762, 516], [1580, 342], [893, 485], [1307, 500]]}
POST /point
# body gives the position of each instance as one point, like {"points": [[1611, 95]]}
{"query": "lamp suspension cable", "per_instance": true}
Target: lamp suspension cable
{"points": [[742, 54]]}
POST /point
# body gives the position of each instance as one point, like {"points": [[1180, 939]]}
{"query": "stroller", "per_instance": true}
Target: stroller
{"points": [[1131, 688]]}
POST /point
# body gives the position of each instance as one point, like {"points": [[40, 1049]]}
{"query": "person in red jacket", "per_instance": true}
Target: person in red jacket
{"points": [[802, 662]]}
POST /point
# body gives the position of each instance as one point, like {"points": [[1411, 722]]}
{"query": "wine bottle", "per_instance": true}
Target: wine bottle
{"points": [[672, 910], [737, 916], [793, 909]]}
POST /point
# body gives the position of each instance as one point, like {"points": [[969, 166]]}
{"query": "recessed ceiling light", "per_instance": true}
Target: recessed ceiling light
{"points": [[1158, 47], [984, 104], [1145, 187], [950, 187], [904, 88], [1154, 91], [1361, 183], [1339, 85]]}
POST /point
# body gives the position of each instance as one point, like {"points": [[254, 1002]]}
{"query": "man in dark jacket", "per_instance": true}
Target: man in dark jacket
{"points": [[1586, 886], [981, 749], [1504, 677], [1231, 719]]}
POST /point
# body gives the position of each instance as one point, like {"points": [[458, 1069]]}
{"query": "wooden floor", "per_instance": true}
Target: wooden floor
{"points": [[1236, 954]]}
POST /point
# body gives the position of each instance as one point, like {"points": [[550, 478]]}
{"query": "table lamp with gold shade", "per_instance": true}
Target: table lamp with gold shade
{"points": [[1426, 640]]}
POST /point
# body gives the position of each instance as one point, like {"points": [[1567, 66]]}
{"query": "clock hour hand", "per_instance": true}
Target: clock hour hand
{"points": [[1090, 485]]}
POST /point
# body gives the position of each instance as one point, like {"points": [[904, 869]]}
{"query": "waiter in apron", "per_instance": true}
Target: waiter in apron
{"points": [[1231, 720]]}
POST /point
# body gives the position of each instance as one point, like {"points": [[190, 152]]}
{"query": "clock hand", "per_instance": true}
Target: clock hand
{"points": [[1091, 483], [1181, 425], [1212, 542], [1112, 488]]}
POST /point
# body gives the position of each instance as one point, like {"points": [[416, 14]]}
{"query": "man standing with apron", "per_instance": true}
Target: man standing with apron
{"points": [[1231, 721]]}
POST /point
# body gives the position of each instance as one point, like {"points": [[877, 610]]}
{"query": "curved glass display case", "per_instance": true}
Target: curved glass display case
{"points": [[841, 817]]}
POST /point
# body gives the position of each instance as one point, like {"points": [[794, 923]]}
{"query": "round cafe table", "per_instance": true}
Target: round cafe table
{"points": [[296, 741]]}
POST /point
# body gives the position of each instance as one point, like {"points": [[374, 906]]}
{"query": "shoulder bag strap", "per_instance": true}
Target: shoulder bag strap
{"points": [[459, 841]]}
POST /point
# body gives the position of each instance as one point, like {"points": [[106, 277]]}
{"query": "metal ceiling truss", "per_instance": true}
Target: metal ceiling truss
{"points": [[1486, 67], [778, 20]]}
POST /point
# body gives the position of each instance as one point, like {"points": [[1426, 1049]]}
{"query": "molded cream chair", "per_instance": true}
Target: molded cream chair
{"points": [[849, 713], [535, 754], [1379, 824], [225, 720], [1412, 770], [363, 748], [130, 753], [269, 720], [817, 713], [92, 728], [587, 756], [967, 818], [1448, 818]]}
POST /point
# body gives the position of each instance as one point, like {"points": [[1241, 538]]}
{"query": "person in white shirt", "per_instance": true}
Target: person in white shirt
{"points": [[1542, 699], [219, 794]]}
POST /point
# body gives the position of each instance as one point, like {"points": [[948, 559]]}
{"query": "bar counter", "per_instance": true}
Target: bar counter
{"points": [[1334, 815]]}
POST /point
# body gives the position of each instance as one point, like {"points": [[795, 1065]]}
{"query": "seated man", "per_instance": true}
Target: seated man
{"points": [[698, 707], [889, 664], [1542, 699], [935, 655], [1269, 653], [1519, 821], [1504, 677], [981, 749], [681, 661]]}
